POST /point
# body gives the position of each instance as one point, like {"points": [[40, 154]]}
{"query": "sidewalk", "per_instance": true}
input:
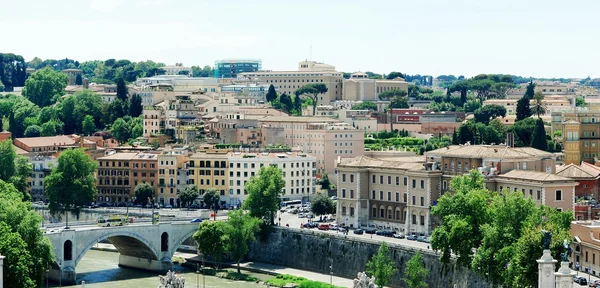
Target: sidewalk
{"points": [[276, 269]]}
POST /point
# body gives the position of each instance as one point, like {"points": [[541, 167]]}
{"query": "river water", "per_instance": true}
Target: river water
{"points": [[101, 269]]}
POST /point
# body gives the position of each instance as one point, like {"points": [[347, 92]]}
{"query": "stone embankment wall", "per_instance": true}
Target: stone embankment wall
{"points": [[314, 251]]}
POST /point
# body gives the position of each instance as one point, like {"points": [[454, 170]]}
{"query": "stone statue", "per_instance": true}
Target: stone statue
{"points": [[565, 256], [171, 280], [363, 281], [547, 238]]}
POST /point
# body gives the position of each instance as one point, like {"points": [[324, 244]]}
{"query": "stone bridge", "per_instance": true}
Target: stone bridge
{"points": [[141, 246]]}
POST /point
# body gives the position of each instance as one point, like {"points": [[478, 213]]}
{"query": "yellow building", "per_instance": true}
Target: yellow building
{"points": [[210, 169], [580, 135]]}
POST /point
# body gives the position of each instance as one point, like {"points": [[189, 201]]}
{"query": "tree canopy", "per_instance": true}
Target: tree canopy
{"points": [[264, 190], [322, 205], [241, 230], [415, 272], [212, 239], [312, 91], [71, 184], [211, 199], [143, 193], [188, 194], [45, 86], [381, 266], [489, 112], [271, 94]]}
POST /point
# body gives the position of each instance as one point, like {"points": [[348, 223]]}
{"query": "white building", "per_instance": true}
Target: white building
{"points": [[299, 172], [176, 70], [42, 166]]}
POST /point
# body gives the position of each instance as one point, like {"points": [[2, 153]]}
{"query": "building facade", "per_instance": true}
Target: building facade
{"points": [[360, 88], [580, 135], [232, 67]]}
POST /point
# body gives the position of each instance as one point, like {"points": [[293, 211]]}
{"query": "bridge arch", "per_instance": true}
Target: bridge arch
{"points": [[68, 250], [127, 243], [180, 241]]}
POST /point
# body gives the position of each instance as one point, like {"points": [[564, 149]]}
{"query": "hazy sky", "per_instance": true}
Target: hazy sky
{"points": [[545, 38]]}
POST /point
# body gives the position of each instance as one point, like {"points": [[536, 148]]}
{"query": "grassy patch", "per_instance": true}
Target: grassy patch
{"points": [[178, 260], [283, 279], [232, 275]]}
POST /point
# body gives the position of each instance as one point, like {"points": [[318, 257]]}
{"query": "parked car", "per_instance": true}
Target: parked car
{"points": [[168, 206], [399, 235], [334, 198], [580, 280], [324, 226], [420, 239], [310, 216], [411, 237], [196, 220], [301, 215], [386, 233], [370, 230], [595, 283], [427, 240], [359, 231]]}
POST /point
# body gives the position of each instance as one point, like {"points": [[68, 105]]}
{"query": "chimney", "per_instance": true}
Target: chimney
{"points": [[510, 140]]}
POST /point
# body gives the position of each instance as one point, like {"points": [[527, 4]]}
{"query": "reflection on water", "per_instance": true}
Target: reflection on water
{"points": [[101, 269]]}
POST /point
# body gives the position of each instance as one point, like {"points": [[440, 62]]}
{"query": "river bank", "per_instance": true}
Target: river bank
{"points": [[192, 261]]}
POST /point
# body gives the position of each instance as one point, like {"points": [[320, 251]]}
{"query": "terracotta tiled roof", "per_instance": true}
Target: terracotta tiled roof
{"points": [[406, 163], [62, 140]]}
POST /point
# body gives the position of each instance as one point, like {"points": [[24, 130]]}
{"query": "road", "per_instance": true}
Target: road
{"points": [[295, 222]]}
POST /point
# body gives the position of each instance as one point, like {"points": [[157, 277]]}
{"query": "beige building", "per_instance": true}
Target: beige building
{"points": [[326, 138], [586, 246], [172, 176], [551, 103], [360, 88], [309, 72]]}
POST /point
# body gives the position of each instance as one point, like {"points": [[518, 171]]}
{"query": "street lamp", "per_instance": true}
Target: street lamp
{"points": [[197, 275], [331, 273], [47, 271]]}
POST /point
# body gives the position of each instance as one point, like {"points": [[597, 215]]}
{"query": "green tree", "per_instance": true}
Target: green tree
{"points": [[287, 102], [538, 138], [365, 105], [45, 86], [88, 126], [188, 195], [538, 107], [33, 131], [120, 130], [325, 182], [48, 113], [7, 160], [298, 105], [322, 205], [78, 80], [415, 272], [242, 229], [271, 94], [530, 90], [264, 191], [488, 112], [211, 199], [135, 106], [122, 93], [312, 91], [399, 102], [212, 239], [394, 75], [579, 102], [50, 128], [143, 192], [388, 95], [381, 266], [23, 170], [523, 109], [71, 184]]}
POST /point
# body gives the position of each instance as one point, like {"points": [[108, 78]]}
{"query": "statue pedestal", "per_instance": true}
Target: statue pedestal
{"points": [[564, 277], [546, 268]]}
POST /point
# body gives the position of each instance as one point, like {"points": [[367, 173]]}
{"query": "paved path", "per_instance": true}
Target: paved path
{"points": [[338, 281]]}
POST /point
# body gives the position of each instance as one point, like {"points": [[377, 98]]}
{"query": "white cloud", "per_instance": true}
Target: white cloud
{"points": [[104, 6]]}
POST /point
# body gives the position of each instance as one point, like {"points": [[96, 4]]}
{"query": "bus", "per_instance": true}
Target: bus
{"points": [[112, 220], [292, 202]]}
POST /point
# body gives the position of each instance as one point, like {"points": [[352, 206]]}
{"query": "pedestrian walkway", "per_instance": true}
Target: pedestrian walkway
{"points": [[276, 269]]}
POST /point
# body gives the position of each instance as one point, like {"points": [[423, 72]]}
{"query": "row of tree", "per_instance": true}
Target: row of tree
{"points": [[284, 102], [496, 234]]}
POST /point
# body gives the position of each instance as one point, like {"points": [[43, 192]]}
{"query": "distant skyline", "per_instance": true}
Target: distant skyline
{"points": [[537, 38]]}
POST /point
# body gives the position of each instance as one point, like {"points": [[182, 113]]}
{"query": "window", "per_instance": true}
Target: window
{"points": [[405, 197], [380, 179], [389, 180], [389, 196], [351, 194], [422, 220], [374, 212], [373, 179], [414, 183], [351, 178], [397, 197], [380, 195], [559, 195], [422, 201], [405, 181], [397, 181], [343, 177], [414, 200], [373, 195], [539, 195], [422, 184], [445, 185], [414, 219], [343, 193], [382, 213]]}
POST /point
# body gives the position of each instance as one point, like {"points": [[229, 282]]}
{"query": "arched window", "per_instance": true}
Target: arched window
{"points": [[68, 251], [164, 242]]}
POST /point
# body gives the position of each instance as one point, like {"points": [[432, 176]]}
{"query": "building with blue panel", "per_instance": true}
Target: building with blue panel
{"points": [[230, 68]]}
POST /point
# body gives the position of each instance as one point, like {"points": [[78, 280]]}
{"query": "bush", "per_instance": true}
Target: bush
{"points": [[315, 284], [232, 275], [283, 279]]}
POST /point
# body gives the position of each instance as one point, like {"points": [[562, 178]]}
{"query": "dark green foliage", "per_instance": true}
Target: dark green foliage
{"points": [[322, 205], [523, 110], [488, 112], [264, 190], [188, 195], [122, 92], [539, 136], [312, 91], [135, 106], [271, 94], [12, 71], [365, 105], [144, 193], [211, 199], [33, 131], [325, 182], [44, 87]]}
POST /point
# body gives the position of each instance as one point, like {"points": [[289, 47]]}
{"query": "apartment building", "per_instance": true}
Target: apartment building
{"points": [[551, 103], [209, 169], [172, 176], [360, 88], [309, 72], [42, 166], [120, 173], [580, 135], [177, 69], [325, 138], [397, 193], [299, 174], [586, 174], [586, 246]]}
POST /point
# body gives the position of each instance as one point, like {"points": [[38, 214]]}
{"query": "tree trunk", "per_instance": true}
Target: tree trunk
{"points": [[314, 107], [238, 266]]}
